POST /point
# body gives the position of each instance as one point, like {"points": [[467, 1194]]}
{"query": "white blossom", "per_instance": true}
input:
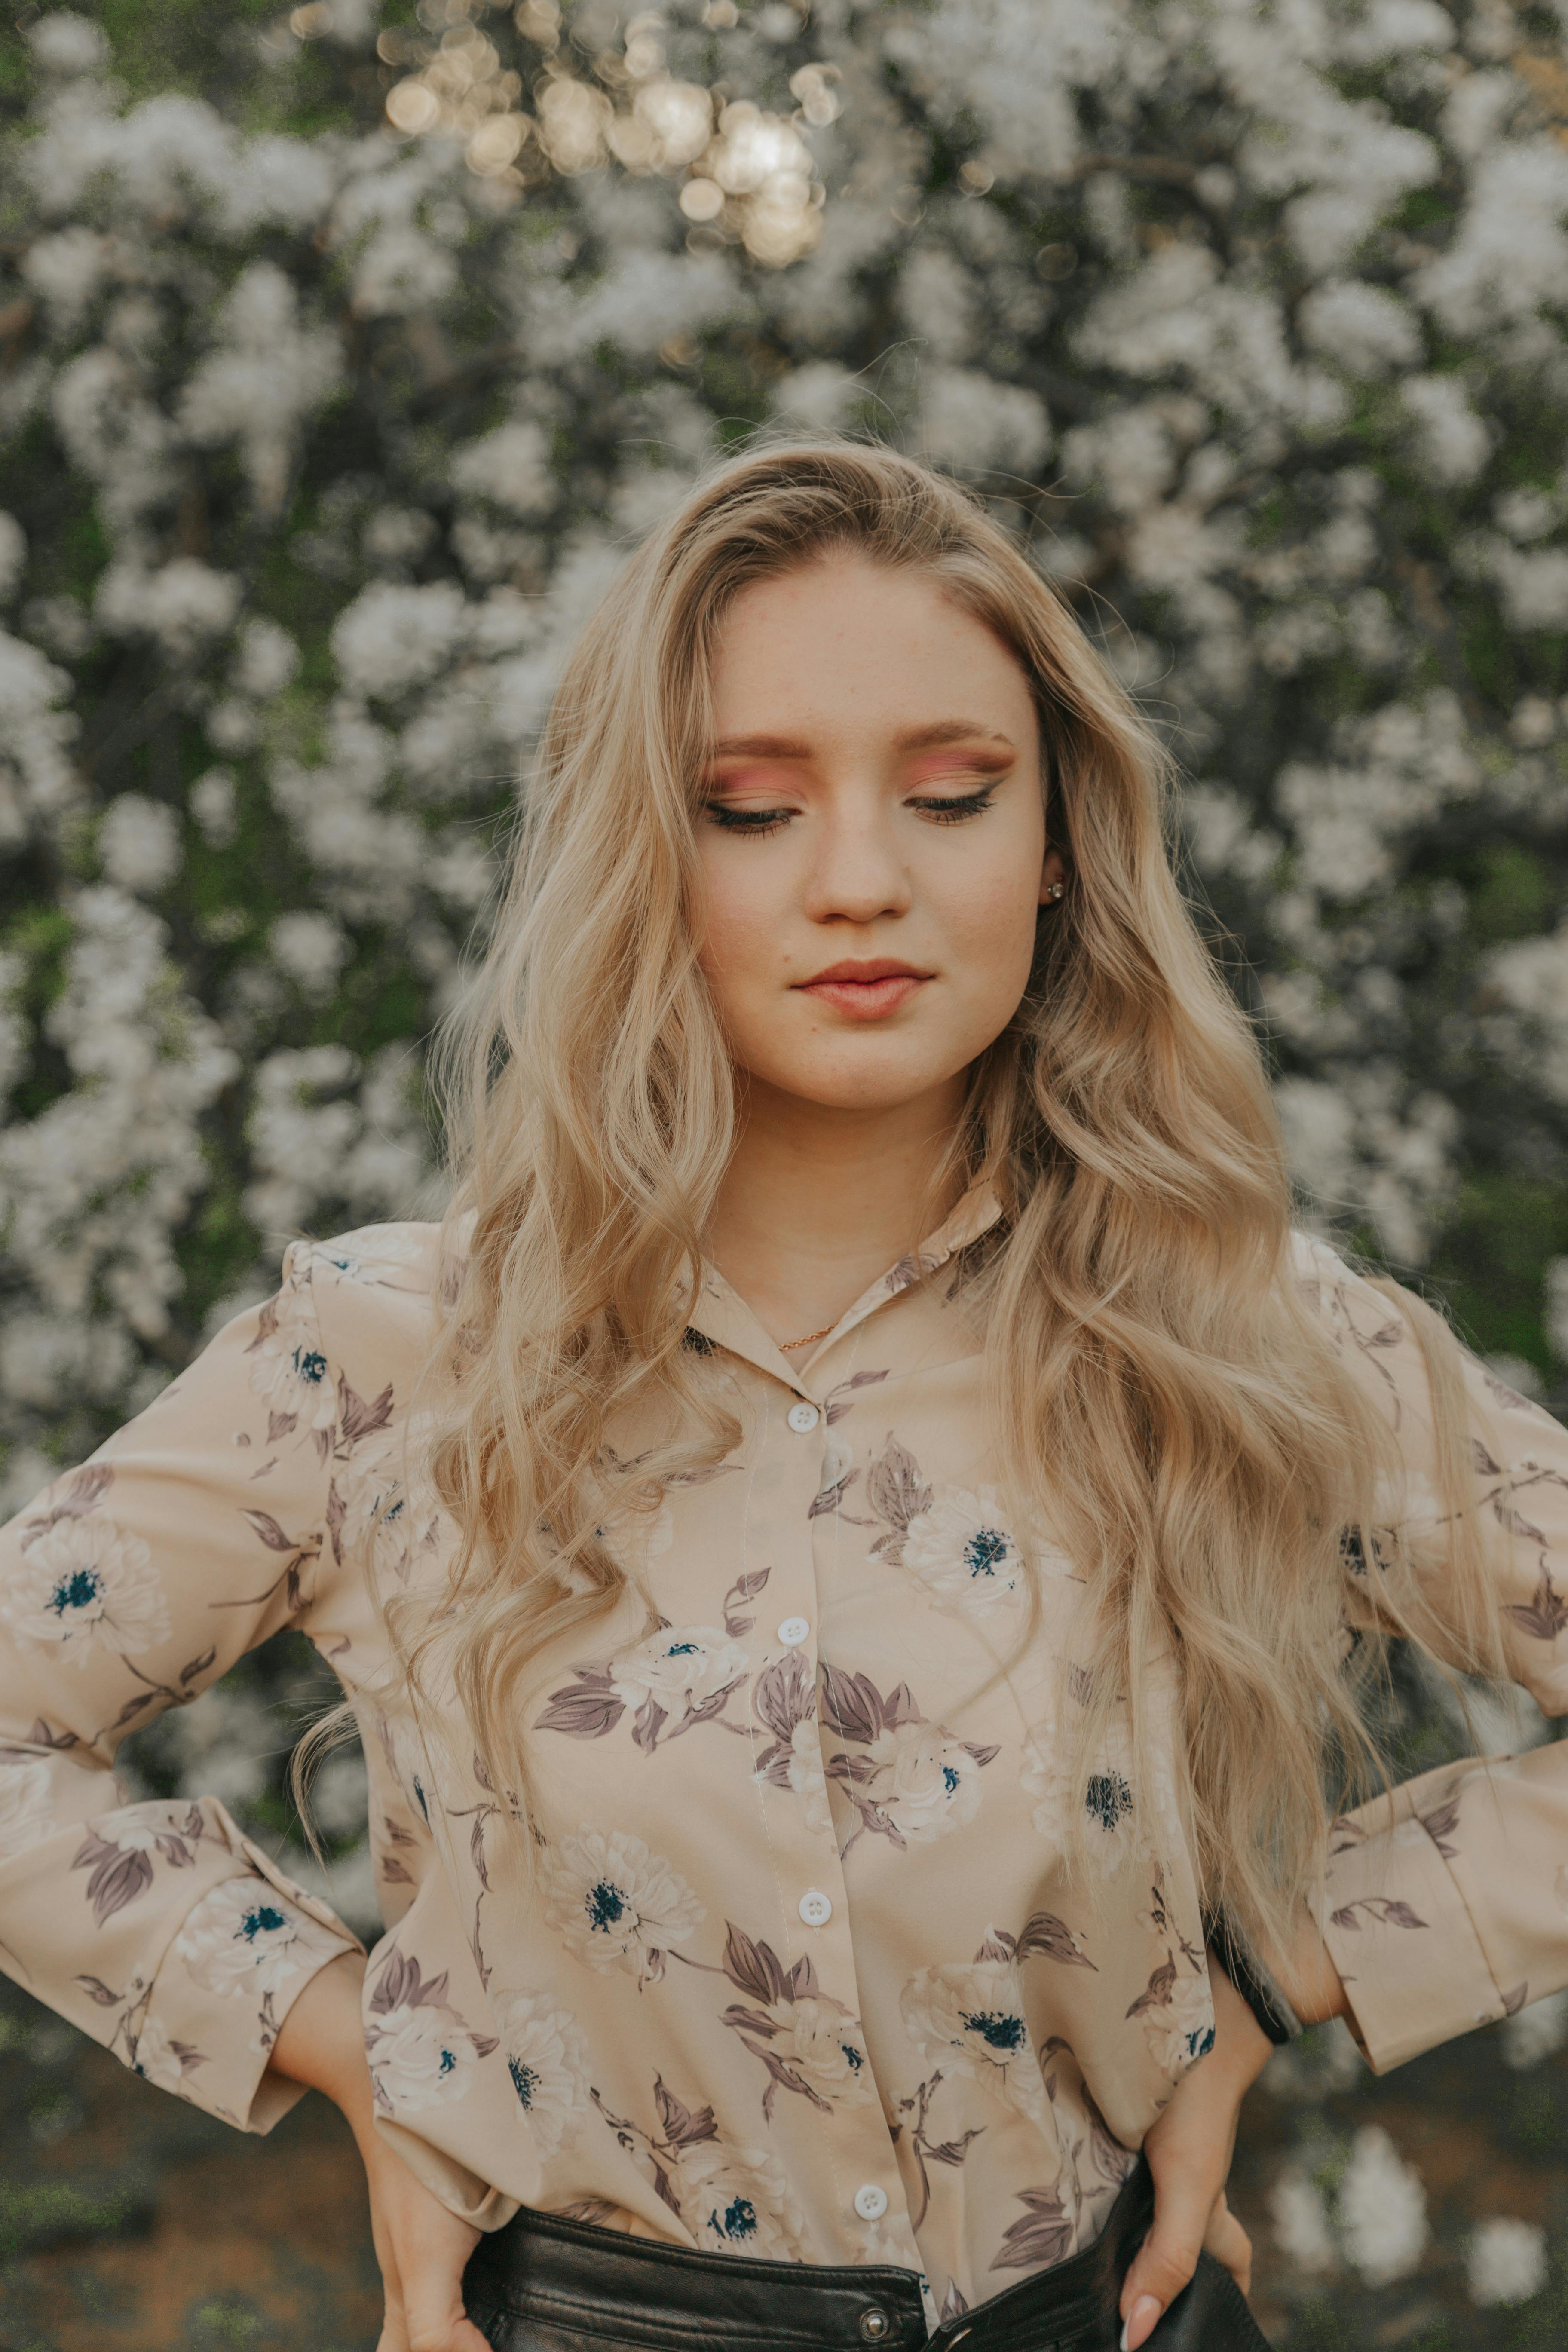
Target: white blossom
{"points": [[817, 2041], [289, 1369], [212, 803], [296, 1140], [66, 269], [1453, 440], [420, 2057], [1505, 2262], [1181, 2030], [971, 2020], [677, 1668], [65, 43], [961, 1553], [547, 2060], [33, 747], [139, 842], [923, 1783], [81, 1585], [975, 424], [183, 604], [160, 2058], [510, 467], [615, 1905], [264, 376], [243, 1939], [394, 637], [1299, 2214], [266, 660], [1512, 249], [1381, 2210], [401, 270], [1539, 2029], [1363, 327], [738, 2201], [312, 949]]}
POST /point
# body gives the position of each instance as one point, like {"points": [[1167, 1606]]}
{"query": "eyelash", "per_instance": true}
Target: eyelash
{"points": [[757, 824], [954, 812]]}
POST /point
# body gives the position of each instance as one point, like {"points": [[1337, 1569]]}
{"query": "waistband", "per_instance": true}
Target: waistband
{"points": [[544, 2283]]}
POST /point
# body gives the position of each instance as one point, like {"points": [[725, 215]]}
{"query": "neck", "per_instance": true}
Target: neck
{"points": [[817, 1201]]}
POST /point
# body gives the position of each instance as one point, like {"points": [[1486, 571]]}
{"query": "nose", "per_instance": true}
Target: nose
{"points": [[858, 873]]}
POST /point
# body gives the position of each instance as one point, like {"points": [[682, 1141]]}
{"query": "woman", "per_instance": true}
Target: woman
{"points": [[848, 1549]]}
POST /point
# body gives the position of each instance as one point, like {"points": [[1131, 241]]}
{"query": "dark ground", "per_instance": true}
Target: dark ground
{"points": [[131, 2223]]}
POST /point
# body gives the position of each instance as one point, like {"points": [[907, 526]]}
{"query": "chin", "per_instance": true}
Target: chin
{"points": [[859, 1089]]}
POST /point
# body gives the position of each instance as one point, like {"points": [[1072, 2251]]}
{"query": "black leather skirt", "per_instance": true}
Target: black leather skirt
{"points": [[544, 2284]]}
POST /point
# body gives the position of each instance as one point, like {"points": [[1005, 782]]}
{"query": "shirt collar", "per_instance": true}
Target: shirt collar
{"points": [[722, 1316]]}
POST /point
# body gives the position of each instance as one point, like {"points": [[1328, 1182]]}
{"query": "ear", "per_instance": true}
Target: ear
{"points": [[1053, 878]]}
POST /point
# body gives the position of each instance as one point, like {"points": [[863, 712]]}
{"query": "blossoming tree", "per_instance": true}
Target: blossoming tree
{"points": [[329, 399]]}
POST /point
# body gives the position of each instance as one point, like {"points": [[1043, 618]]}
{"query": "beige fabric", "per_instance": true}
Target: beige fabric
{"points": [[669, 2033]]}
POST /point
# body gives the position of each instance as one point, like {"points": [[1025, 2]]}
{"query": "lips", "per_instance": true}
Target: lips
{"points": [[868, 990], [865, 971]]}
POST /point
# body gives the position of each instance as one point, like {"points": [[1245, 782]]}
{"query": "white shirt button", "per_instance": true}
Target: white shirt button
{"points": [[816, 1908], [794, 1631], [870, 2203], [801, 1417]]}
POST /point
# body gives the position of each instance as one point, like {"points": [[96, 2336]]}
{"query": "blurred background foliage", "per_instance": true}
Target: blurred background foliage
{"points": [[343, 351]]}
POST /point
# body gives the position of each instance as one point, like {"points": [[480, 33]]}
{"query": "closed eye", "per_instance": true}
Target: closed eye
{"points": [[753, 822], [955, 810], [757, 823]]}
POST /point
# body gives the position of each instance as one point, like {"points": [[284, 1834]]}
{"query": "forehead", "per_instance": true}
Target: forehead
{"points": [[844, 641]]}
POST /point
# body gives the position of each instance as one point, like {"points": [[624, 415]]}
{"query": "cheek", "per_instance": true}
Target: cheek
{"points": [[740, 907], [988, 915]]}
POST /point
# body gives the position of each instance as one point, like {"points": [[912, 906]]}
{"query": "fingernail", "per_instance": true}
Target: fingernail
{"points": [[1143, 2316], [1121, 2341]]}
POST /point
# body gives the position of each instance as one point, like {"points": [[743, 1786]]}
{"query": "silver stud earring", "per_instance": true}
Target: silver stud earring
{"points": [[1055, 890]]}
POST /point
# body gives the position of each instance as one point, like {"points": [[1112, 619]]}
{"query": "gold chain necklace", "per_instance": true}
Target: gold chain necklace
{"points": [[786, 1345]]}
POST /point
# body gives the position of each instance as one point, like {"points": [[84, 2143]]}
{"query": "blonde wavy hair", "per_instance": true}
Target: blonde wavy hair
{"points": [[1164, 1398]]}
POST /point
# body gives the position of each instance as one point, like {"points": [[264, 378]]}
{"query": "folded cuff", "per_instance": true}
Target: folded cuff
{"points": [[173, 1939], [1400, 1932], [242, 1957]]}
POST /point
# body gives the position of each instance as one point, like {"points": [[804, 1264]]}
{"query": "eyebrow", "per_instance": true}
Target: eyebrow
{"points": [[912, 738]]}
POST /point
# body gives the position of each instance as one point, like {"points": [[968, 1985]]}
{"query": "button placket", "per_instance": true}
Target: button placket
{"points": [[810, 1877]]}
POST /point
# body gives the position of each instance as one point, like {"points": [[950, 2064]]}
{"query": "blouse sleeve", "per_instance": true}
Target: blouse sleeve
{"points": [[1448, 1907], [126, 1587]]}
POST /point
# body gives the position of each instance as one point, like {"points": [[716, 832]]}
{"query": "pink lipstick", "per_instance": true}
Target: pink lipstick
{"points": [[866, 991]]}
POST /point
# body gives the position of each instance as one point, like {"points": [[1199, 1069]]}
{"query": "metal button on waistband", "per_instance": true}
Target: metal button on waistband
{"points": [[816, 1908], [802, 1418], [793, 1631], [875, 2324], [870, 2201]]}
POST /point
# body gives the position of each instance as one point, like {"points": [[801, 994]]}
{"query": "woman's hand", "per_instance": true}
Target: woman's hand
{"points": [[1189, 2150], [422, 2248]]}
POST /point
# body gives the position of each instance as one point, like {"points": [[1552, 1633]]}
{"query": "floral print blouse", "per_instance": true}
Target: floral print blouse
{"points": [[799, 1972]]}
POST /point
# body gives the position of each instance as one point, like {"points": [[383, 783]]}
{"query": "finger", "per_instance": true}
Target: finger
{"points": [[459, 2336], [1228, 2242], [437, 2321], [1165, 2263], [1168, 2256]]}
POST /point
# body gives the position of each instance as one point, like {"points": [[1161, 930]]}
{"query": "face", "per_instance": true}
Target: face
{"points": [[871, 837]]}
